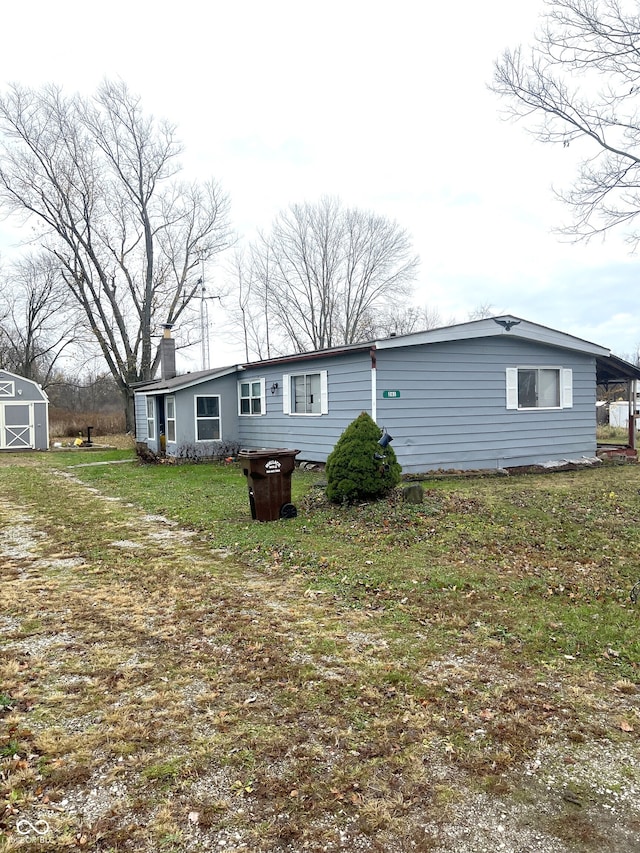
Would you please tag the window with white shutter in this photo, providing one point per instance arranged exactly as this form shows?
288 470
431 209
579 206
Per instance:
539 388
305 393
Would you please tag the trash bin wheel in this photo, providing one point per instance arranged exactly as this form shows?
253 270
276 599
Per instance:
288 511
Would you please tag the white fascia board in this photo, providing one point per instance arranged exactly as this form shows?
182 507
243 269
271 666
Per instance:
489 328
160 388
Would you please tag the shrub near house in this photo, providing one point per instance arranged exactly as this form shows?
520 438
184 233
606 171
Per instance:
358 468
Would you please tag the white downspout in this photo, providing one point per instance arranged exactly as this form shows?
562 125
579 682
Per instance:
374 386
633 390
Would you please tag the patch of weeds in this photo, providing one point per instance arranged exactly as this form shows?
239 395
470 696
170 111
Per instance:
29 627
240 788
164 771
171 841
11 748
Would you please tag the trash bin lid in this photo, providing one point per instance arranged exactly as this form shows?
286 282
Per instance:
267 453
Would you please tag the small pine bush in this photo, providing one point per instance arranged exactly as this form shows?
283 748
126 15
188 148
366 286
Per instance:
353 472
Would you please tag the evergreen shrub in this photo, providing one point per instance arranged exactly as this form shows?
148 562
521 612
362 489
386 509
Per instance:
353 472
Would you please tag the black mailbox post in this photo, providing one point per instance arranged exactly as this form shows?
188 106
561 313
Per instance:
268 474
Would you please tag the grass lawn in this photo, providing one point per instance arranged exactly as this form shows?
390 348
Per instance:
450 676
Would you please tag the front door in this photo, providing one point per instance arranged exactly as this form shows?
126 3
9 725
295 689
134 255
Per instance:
16 426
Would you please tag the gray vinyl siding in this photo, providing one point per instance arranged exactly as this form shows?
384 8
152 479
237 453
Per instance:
140 407
452 408
185 410
225 388
349 393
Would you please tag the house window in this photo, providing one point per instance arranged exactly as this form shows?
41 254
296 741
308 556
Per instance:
251 397
539 388
207 418
305 394
170 407
151 418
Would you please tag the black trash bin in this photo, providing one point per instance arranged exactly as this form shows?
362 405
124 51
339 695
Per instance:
268 474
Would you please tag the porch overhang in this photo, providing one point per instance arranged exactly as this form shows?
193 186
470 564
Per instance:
611 369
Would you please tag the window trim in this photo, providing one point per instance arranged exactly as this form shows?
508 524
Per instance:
208 418
170 421
151 417
565 383
7 388
288 398
262 397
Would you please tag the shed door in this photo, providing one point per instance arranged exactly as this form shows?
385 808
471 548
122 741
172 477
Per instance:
16 426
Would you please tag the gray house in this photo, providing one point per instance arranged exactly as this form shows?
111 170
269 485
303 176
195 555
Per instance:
493 393
24 414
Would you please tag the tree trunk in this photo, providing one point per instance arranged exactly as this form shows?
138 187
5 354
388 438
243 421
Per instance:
129 411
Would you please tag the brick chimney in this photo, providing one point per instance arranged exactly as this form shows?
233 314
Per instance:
167 353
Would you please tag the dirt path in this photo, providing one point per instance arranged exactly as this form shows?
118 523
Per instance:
159 696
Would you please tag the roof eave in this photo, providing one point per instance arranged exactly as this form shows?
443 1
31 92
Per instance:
614 369
186 380
308 356
504 325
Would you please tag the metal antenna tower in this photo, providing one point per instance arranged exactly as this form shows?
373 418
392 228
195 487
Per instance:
204 320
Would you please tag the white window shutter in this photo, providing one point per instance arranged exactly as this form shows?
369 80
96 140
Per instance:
286 391
567 388
263 397
324 393
512 387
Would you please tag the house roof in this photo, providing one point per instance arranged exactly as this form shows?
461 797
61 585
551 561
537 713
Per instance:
506 325
609 367
320 353
185 380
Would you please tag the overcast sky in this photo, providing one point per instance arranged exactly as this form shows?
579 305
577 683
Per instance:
384 105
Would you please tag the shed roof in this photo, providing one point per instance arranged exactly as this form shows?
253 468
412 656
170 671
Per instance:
7 375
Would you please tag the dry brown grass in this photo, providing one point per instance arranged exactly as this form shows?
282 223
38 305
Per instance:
160 695
69 424
121 441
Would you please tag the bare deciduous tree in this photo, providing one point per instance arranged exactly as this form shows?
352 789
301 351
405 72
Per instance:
482 311
404 319
38 320
581 80
250 317
324 271
98 180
